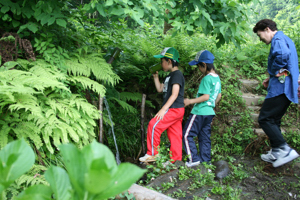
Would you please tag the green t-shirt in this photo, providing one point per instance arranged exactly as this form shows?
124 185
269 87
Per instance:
210 85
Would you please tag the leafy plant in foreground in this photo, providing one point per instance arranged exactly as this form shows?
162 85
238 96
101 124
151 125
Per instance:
92 173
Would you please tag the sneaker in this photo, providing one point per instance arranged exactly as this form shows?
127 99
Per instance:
148 158
278 156
192 164
285 157
271 156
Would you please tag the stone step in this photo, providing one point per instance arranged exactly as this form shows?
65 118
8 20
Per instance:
254 108
249 85
142 193
254 116
252 99
259 132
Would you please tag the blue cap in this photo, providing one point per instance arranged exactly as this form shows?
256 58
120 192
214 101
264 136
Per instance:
203 56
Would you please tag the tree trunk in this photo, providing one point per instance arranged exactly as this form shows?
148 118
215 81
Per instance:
142 123
166 25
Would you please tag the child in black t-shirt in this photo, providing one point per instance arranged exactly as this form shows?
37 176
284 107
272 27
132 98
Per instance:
169 117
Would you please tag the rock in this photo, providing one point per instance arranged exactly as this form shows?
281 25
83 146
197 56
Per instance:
254 108
259 132
164 178
142 193
222 169
253 100
179 163
254 116
249 85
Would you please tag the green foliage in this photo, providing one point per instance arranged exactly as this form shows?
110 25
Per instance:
227 192
38 106
225 19
92 64
92 173
16 159
159 168
275 9
37 13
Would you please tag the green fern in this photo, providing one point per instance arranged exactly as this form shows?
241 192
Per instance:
38 106
124 105
126 96
88 84
92 64
33 177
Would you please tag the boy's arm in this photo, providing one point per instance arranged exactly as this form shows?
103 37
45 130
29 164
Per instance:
200 99
159 86
172 98
218 98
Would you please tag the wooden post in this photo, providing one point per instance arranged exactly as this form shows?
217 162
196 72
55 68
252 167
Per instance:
101 119
142 123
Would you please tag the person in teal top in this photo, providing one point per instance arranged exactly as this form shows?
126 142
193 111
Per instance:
199 122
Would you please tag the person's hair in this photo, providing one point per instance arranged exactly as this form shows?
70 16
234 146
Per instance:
174 62
264 23
209 66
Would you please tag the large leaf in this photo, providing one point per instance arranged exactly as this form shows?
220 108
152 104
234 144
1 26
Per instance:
94 171
241 56
61 22
98 171
97 150
76 166
59 182
36 192
126 175
16 158
10 64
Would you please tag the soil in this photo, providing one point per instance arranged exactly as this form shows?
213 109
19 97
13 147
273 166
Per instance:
263 181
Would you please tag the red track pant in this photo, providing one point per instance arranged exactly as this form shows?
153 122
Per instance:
172 122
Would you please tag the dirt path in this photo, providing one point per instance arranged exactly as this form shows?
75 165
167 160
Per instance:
249 178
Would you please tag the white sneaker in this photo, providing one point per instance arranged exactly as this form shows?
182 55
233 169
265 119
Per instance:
148 158
285 157
279 156
192 164
271 156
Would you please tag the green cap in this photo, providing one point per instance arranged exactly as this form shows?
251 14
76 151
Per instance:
169 52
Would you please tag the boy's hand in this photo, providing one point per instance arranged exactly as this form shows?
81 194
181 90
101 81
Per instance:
160 115
266 82
186 102
155 75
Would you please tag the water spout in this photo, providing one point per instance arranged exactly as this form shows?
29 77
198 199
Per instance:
112 130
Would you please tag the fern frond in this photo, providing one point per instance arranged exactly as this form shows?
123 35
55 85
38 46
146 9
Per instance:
124 105
27 82
26 102
88 84
150 48
92 64
48 71
46 132
77 69
33 177
101 69
63 137
4 135
126 96
129 70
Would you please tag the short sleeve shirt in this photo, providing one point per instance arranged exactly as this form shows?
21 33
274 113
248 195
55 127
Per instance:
210 85
175 77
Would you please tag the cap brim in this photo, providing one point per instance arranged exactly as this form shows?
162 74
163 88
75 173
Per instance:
158 56
193 62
